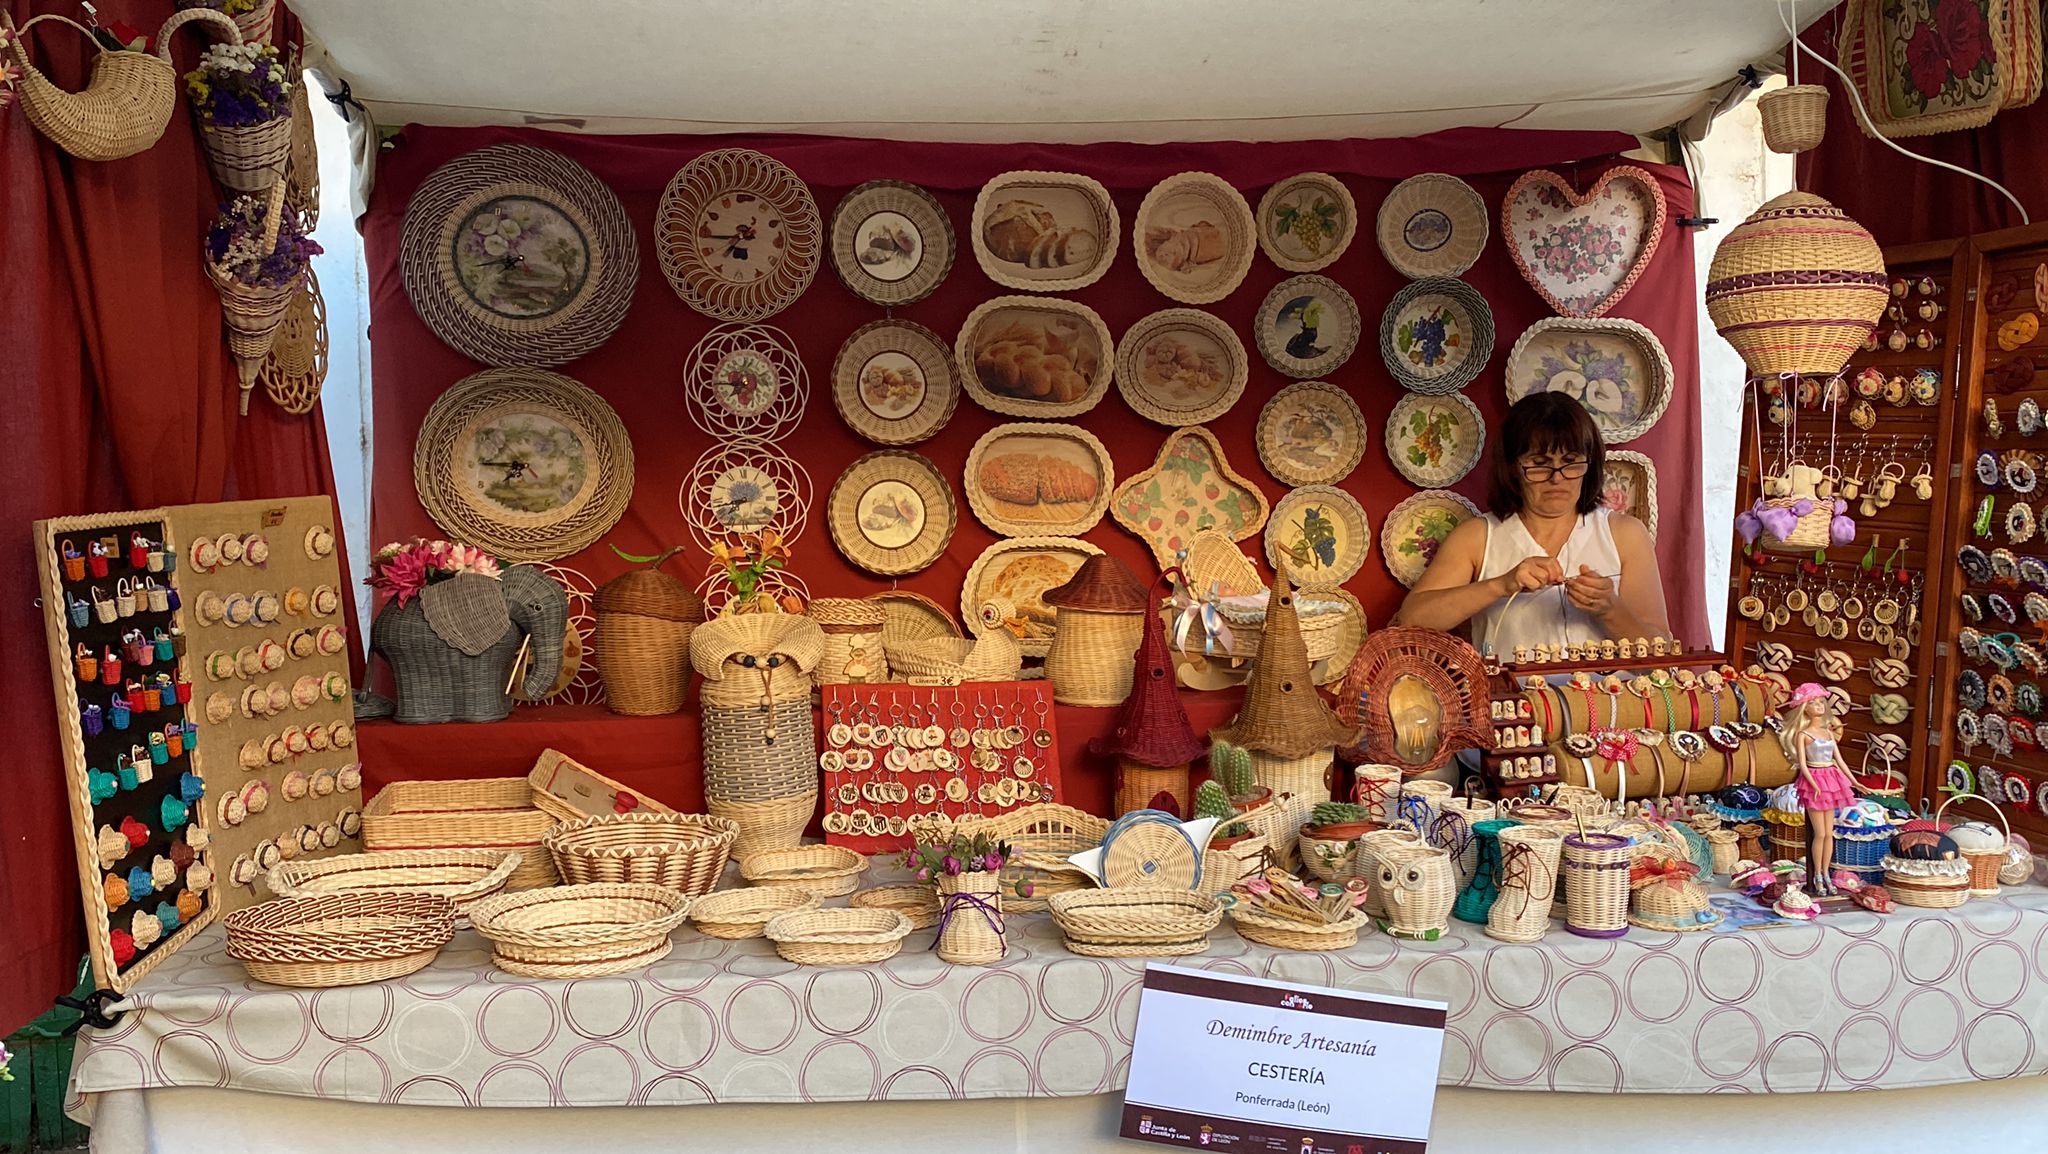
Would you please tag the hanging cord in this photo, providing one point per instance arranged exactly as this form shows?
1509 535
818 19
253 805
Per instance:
1870 126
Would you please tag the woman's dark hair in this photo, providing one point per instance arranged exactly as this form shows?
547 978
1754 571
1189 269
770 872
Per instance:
1540 424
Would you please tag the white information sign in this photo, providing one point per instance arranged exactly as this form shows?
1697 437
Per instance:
1244 1064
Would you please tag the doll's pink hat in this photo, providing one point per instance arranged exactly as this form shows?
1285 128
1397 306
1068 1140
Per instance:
1807 691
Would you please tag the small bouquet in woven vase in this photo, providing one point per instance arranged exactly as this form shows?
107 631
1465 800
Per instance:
256 255
751 566
242 96
402 570
253 18
968 870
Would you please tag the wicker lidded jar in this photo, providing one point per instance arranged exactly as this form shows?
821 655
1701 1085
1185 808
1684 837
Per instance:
1100 614
641 642
760 746
853 640
1153 742
1796 287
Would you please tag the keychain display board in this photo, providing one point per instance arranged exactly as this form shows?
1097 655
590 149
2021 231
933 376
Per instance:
269 648
113 777
894 753
1898 477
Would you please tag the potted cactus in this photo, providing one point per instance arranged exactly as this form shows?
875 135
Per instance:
1212 801
1230 766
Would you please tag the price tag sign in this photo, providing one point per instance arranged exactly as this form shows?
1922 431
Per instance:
1244 1064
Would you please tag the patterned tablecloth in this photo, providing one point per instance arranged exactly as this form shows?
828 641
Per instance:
1858 1001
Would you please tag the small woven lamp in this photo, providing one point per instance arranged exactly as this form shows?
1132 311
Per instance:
1290 731
1100 614
1153 742
1796 287
641 642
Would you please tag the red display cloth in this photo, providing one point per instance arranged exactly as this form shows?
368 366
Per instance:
119 394
639 370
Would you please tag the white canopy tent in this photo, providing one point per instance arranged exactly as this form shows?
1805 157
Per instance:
1058 71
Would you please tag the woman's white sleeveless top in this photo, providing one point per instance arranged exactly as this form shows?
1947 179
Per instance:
1535 618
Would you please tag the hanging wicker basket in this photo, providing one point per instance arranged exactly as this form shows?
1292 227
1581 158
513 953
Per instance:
124 106
1796 287
248 158
1795 117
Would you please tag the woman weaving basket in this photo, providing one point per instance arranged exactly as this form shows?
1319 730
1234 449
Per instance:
1548 564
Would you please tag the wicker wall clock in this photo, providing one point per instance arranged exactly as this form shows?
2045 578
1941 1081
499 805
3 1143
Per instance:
891 243
1044 231
1435 441
1181 367
1035 356
891 513
1436 335
1582 252
1318 535
1033 478
745 486
1413 529
1307 221
1629 485
525 463
1307 326
1432 225
517 255
1021 570
746 381
738 235
1616 368
1190 487
1194 238
893 382
1311 434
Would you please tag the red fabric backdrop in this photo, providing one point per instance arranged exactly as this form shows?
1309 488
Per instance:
118 393
639 371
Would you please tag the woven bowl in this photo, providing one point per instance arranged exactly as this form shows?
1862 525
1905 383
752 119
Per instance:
1288 934
579 931
1136 923
340 939
736 914
828 871
850 937
459 875
682 852
918 903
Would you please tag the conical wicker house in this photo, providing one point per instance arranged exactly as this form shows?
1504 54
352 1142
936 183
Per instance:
1153 743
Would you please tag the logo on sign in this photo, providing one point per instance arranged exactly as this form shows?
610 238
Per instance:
1296 1002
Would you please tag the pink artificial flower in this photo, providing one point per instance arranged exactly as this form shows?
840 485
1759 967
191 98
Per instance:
993 863
951 865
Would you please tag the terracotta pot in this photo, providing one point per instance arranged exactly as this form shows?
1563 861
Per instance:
1328 852
1259 796
1220 842
1340 831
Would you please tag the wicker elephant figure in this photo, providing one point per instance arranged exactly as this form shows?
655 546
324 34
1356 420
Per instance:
452 648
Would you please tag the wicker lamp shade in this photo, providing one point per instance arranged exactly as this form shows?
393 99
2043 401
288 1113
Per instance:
1282 713
1796 287
642 641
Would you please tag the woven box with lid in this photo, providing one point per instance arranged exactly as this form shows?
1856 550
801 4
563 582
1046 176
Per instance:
1100 619
853 640
642 641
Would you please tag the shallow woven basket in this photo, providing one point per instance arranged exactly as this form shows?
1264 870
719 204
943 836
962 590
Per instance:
994 656
123 108
1288 934
1136 923
484 813
828 871
1795 117
918 903
1596 884
849 937
1040 836
1927 885
553 770
459 875
735 914
579 931
340 939
678 851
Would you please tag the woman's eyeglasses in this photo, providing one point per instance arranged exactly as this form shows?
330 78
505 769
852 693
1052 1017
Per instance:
1544 474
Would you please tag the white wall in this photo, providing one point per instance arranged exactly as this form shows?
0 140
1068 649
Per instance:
345 400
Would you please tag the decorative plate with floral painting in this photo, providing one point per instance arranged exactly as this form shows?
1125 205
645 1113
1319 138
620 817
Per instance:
1413 529
1434 441
1616 368
1189 487
1629 485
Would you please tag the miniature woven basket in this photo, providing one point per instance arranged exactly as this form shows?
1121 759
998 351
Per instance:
1040 837
829 871
853 640
340 939
1288 934
1529 860
682 852
1136 923
1795 117
1596 884
579 931
459 875
848 937
1929 885
735 914
485 813
1224 867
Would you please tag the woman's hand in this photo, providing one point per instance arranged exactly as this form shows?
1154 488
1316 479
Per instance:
1591 592
1533 573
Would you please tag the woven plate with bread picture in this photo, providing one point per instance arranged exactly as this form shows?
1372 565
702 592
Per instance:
1194 238
1035 357
893 382
1044 231
1030 478
1181 367
1019 572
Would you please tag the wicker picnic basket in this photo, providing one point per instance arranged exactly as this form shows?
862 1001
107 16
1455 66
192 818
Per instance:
641 641
1040 837
828 871
484 813
579 931
568 790
126 102
1596 884
1795 117
917 902
1529 859
1136 923
1288 934
340 939
684 852
459 875
848 937
735 914
853 640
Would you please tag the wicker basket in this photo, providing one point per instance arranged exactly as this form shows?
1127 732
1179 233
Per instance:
485 813
123 108
853 641
1788 836
994 656
828 871
918 903
340 939
579 931
1330 853
1040 836
971 919
847 937
1928 885
1136 923
1795 117
1288 934
641 641
1451 830
767 825
1529 860
1809 532
751 659
459 875
1225 866
682 852
568 790
1724 845
1366 863
735 914
1676 905
1984 852
1299 784
250 158
1749 842
1089 662
1596 884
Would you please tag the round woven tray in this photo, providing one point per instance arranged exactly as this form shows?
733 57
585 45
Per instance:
1136 923
891 512
737 914
459 875
579 931
918 903
894 382
1149 849
1446 365
770 280
891 273
1288 934
1432 225
848 937
825 870
1165 217
682 852
340 939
